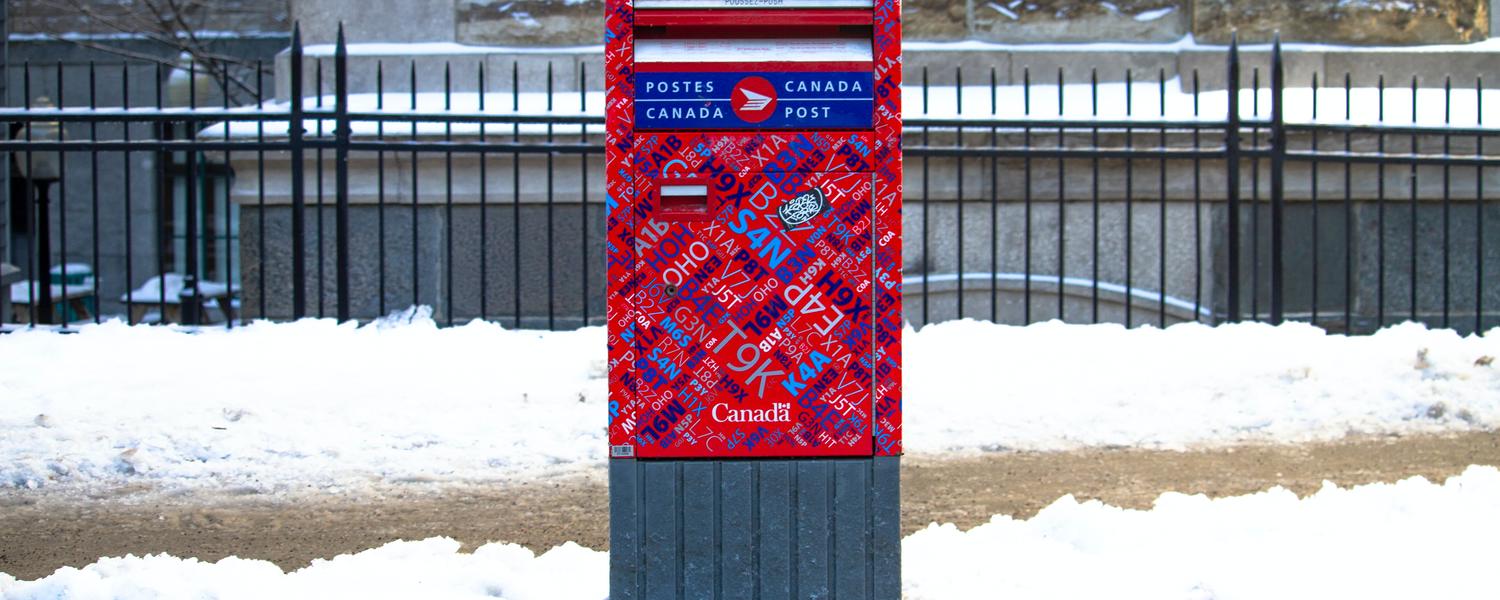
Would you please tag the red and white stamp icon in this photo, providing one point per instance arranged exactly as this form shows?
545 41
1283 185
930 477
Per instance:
753 99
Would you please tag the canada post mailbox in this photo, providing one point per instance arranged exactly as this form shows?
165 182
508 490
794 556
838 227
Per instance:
754 264
754 229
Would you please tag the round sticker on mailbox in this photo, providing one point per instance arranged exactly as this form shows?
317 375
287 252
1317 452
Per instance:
803 208
753 99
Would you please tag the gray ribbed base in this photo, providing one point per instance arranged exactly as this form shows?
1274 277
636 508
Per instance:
755 529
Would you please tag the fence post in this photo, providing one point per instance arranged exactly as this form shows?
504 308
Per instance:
341 173
1278 192
189 297
1232 177
299 201
5 160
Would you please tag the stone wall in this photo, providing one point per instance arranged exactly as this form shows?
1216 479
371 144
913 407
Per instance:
532 22
1031 21
1363 22
526 23
110 16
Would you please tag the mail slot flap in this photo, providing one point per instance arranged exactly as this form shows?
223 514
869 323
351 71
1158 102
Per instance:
751 4
718 22
830 53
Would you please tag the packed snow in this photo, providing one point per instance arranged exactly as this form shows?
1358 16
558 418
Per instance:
317 405
1051 386
1411 539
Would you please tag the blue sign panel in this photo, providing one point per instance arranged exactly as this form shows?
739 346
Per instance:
758 100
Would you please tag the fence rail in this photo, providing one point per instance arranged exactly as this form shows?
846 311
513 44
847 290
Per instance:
486 203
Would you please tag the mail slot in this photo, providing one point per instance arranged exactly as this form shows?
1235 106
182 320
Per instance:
754 228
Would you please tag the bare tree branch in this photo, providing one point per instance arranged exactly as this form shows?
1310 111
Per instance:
176 24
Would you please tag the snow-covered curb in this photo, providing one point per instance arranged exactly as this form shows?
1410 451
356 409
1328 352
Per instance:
316 405
1412 539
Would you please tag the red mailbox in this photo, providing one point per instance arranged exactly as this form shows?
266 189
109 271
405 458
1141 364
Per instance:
754 228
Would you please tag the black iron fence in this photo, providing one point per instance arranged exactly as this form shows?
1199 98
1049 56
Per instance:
1143 200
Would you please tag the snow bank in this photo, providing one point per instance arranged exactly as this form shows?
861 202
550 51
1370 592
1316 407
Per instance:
278 407
282 407
431 568
1412 539
1053 386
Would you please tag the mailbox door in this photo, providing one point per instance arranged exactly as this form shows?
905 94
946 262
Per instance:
753 315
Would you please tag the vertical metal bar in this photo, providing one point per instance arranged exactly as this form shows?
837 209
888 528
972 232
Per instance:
62 218
341 173
1380 210
1094 200
6 181
448 225
194 301
1479 210
583 193
1026 187
1278 191
1348 208
927 262
299 202
260 185
318 180
551 264
416 198
37 223
125 180
1447 196
380 191
1062 220
1412 274
44 215
94 188
229 280
1255 197
1232 178
484 208
515 182
163 237
1313 175
1161 186
958 82
1129 198
994 205
1197 207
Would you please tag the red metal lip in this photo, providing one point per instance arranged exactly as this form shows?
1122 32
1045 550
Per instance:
749 67
721 18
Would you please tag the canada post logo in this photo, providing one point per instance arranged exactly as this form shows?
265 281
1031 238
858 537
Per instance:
765 100
753 99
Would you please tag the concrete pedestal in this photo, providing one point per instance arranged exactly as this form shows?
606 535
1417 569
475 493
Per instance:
755 529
